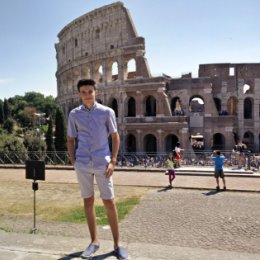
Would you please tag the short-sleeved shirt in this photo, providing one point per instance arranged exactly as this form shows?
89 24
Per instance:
219 161
170 164
91 128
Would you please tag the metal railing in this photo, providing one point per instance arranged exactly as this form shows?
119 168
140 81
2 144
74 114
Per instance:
143 160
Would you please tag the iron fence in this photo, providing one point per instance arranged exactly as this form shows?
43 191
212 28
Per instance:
143 160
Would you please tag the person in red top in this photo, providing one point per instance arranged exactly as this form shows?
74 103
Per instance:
178 154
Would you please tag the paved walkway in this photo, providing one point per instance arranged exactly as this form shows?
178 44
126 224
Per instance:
189 222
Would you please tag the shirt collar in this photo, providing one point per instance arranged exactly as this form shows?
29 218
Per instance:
83 107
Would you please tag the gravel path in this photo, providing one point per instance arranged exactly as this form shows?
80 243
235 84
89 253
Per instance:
192 218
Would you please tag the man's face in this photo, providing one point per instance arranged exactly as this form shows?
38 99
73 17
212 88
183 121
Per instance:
87 94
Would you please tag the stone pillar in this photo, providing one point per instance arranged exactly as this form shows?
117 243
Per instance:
159 141
139 146
139 104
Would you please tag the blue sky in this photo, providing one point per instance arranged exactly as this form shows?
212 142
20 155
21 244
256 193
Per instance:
179 35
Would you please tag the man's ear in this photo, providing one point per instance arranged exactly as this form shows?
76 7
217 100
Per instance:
96 92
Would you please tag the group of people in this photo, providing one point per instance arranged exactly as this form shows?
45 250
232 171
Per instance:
173 162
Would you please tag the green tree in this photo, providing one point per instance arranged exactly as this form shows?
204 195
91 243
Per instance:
9 125
7 109
14 147
34 143
60 131
26 116
2 116
49 136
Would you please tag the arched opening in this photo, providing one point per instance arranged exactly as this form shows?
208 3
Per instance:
196 104
248 139
114 106
85 72
170 142
131 143
232 106
217 102
114 71
131 107
131 69
150 144
176 107
150 106
197 142
100 74
218 142
247 89
259 143
248 108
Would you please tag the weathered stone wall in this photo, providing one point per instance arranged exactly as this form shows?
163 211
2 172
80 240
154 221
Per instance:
153 113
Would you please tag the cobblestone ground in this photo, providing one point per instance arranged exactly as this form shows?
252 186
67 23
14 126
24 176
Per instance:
188 218
224 220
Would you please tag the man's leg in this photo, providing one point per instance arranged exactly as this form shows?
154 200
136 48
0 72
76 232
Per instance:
224 182
91 218
112 219
217 181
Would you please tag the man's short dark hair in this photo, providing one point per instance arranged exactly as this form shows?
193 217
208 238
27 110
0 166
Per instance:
86 82
218 152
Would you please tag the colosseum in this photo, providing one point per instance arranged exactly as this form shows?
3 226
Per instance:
215 110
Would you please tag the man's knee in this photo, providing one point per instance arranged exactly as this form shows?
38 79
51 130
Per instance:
89 202
109 204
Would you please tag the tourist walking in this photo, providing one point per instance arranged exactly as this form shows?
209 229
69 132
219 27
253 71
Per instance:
170 169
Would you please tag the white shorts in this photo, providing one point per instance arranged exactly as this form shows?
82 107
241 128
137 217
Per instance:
85 175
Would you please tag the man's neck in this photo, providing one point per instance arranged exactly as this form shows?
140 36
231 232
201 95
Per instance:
89 105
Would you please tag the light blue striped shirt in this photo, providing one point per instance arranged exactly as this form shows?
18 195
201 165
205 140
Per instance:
91 129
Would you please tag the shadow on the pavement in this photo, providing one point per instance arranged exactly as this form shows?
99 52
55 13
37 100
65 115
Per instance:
77 255
212 192
71 256
165 189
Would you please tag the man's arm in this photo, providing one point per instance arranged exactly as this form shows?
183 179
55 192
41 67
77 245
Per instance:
71 148
115 149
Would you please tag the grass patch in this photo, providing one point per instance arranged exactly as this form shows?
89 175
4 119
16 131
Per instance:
77 214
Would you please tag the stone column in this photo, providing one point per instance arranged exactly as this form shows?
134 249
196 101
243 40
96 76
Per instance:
160 141
139 147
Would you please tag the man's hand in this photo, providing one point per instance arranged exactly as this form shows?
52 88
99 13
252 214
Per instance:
110 169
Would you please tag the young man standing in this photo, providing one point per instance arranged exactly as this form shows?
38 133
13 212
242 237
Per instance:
219 172
89 127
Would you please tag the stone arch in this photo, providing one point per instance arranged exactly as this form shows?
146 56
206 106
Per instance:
130 143
248 139
150 106
85 72
196 104
217 102
170 142
131 69
218 142
248 88
248 108
232 105
176 108
150 143
114 71
98 73
114 105
259 143
131 107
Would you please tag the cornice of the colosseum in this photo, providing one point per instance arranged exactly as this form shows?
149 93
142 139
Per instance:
89 16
